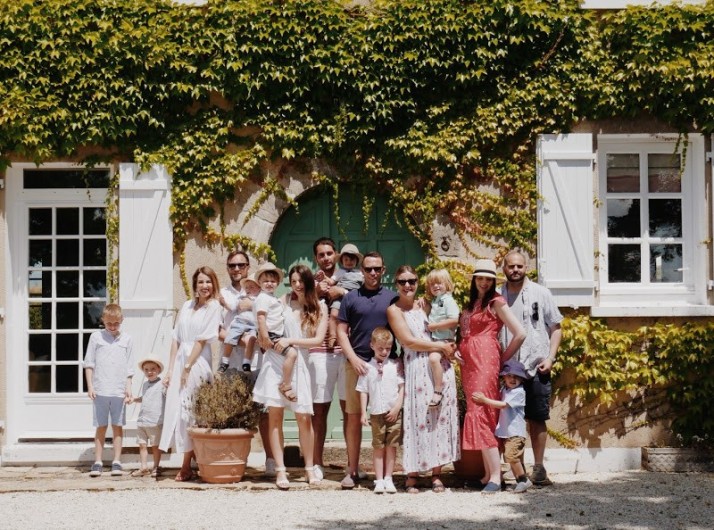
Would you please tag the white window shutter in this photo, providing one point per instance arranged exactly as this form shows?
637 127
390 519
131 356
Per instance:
565 217
146 259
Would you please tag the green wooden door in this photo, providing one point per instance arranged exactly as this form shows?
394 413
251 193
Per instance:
316 216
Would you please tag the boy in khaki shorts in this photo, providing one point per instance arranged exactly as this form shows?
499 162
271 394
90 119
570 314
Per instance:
383 388
151 416
511 428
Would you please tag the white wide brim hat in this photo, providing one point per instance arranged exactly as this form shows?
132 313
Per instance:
151 358
485 268
269 267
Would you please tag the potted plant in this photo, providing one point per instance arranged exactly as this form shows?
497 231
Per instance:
695 454
226 420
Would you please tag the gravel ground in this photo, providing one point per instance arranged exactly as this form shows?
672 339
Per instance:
632 500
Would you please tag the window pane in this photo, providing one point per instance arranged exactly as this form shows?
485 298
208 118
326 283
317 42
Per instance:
67 347
40 221
665 217
664 173
623 173
39 284
68 221
40 347
67 378
40 253
95 252
40 315
93 314
40 379
666 264
67 252
95 284
68 284
67 315
65 178
623 218
624 262
94 222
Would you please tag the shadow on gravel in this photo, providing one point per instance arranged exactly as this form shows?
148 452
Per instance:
639 500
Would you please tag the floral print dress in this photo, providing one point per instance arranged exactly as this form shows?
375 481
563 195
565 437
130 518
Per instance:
431 435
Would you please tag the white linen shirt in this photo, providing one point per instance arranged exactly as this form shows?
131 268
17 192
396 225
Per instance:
273 309
153 396
110 358
383 390
512 419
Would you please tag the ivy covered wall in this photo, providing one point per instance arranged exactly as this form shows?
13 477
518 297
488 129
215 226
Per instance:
435 104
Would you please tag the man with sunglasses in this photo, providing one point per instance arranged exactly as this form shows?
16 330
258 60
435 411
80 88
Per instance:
362 311
535 306
238 267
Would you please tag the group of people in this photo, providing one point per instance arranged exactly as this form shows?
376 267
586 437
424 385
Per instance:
389 354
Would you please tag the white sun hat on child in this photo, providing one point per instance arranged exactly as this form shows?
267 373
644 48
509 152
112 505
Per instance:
351 249
151 358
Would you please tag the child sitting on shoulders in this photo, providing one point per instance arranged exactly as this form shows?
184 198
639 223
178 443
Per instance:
511 428
242 327
383 388
151 416
348 277
268 311
443 321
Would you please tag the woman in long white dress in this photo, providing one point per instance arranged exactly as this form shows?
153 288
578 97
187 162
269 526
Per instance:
431 434
190 364
305 327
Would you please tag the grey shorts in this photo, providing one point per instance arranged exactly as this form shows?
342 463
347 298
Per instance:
538 392
106 408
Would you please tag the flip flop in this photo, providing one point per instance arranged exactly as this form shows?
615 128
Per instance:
185 478
410 485
140 472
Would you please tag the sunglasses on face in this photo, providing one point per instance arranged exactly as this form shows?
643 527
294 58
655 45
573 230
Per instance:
372 269
237 265
410 281
534 307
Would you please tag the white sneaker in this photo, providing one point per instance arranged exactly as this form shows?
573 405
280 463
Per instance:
522 486
379 486
269 467
389 486
317 471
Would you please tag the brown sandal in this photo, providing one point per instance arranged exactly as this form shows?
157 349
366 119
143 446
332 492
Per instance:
287 392
411 485
437 486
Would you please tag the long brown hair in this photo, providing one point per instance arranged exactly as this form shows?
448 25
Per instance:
487 297
311 308
208 271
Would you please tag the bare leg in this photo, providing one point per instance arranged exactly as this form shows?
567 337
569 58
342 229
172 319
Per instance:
307 445
186 472
354 441
263 427
248 342
275 429
286 383
332 328
319 426
390 457
492 463
156 452
437 374
143 456
99 436
117 440
379 463
539 437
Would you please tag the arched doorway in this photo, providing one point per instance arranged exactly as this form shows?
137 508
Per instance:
316 216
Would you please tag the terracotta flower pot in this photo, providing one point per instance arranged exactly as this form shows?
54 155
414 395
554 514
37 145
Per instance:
221 454
470 467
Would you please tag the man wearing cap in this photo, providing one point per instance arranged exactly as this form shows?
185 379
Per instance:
535 307
326 362
361 311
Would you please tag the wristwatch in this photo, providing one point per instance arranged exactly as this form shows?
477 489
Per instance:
187 367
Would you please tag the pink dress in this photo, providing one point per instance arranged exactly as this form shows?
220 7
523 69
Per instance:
481 352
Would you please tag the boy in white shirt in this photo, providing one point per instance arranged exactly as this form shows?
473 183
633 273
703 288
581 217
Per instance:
511 428
151 416
108 369
383 388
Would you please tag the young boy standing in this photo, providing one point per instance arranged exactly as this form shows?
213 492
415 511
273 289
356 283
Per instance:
511 428
108 369
383 388
151 416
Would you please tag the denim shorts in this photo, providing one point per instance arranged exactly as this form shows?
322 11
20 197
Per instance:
106 407
538 392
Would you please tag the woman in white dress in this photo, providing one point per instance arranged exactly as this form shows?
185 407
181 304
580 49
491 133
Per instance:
190 364
305 327
431 434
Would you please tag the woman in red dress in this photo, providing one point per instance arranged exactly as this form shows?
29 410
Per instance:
480 349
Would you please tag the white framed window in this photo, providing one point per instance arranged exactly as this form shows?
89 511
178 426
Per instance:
651 251
622 4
